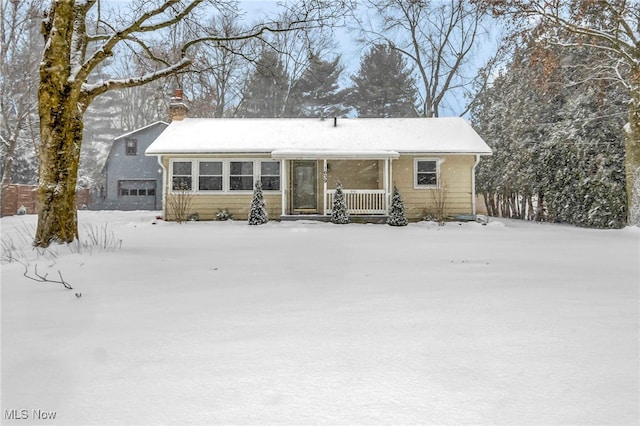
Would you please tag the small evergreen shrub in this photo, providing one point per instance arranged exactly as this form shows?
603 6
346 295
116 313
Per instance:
339 214
258 212
397 216
224 214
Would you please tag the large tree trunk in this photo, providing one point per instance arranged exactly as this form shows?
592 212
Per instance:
60 109
632 150
61 133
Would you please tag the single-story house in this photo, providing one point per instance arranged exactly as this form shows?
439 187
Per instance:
300 160
132 180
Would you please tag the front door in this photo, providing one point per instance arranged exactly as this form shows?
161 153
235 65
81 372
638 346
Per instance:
304 187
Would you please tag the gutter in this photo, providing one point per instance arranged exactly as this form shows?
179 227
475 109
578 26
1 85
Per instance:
164 185
473 185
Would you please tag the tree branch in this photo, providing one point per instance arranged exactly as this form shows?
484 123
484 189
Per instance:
44 278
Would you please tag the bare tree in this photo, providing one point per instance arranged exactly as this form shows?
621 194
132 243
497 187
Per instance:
439 39
19 59
611 27
74 49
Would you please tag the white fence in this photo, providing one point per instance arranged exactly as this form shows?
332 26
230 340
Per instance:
360 201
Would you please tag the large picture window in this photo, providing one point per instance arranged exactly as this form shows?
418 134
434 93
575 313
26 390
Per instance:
426 173
203 175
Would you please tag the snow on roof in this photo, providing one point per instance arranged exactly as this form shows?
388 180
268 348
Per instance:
155 123
299 135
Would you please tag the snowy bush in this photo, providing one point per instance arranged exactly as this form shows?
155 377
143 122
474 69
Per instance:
224 214
257 211
339 212
397 216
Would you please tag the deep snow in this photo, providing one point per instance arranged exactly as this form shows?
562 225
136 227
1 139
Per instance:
314 323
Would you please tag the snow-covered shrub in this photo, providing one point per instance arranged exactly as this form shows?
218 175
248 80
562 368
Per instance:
339 212
257 211
397 216
224 214
22 210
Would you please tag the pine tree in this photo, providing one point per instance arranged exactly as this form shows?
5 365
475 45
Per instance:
317 93
339 214
258 212
397 216
265 93
383 87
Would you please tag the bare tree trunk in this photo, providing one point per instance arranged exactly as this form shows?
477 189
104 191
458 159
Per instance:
539 216
61 137
8 166
632 150
60 110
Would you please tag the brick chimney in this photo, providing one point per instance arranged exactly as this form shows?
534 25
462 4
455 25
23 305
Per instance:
177 108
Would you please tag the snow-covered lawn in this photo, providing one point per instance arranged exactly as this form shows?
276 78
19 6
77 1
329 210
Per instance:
307 323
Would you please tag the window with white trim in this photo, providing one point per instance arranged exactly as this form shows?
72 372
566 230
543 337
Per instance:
181 176
240 175
207 175
210 176
426 173
270 175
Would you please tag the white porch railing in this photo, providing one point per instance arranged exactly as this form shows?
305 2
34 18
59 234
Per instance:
360 201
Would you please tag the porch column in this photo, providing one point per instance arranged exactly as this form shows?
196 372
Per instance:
386 184
283 186
324 186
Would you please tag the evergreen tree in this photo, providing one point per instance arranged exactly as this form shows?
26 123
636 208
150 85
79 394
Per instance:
553 123
383 86
258 212
339 214
397 216
266 90
317 93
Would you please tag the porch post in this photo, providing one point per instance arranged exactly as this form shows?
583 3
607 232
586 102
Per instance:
283 186
324 186
386 185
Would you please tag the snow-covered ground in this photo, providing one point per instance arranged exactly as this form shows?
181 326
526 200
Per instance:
512 323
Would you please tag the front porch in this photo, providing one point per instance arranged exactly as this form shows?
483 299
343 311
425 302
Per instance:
309 182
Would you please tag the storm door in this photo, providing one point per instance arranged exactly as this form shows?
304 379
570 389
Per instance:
304 187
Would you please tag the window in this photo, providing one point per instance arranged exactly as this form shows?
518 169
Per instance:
426 173
131 146
210 176
270 175
241 175
181 173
